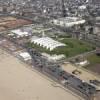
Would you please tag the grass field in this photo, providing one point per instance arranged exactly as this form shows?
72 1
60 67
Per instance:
93 59
94 65
73 47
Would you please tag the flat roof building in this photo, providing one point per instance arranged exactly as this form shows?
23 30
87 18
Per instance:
68 21
25 56
20 33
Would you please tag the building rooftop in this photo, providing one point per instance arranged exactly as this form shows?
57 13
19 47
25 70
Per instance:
68 21
48 43
20 33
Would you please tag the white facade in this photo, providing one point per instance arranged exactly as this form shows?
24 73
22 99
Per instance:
68 21
25 56
82 7
83 63
20 33
53 57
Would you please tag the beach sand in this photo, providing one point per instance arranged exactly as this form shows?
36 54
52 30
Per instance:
18 82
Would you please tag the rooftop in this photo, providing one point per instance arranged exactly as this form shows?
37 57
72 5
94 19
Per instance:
47 42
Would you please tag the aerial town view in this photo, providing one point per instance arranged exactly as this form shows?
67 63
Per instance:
49 49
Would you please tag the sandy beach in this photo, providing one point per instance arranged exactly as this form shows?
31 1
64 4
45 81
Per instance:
17 82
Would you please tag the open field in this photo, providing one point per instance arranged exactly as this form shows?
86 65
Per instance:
94 65
8 22
73 47
84 75
18 82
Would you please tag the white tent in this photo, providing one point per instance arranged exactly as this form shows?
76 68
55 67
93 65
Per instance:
47 43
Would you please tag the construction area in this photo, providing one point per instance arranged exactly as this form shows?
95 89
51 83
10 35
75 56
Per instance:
9 22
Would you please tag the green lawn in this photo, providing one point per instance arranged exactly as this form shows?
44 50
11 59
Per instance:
72 48
93 59
94 65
